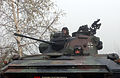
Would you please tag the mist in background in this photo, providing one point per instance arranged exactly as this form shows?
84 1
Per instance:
81 12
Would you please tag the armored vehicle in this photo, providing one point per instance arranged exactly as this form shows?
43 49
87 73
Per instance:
67 57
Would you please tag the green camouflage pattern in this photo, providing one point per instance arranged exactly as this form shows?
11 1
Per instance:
64 62
86 64
78 58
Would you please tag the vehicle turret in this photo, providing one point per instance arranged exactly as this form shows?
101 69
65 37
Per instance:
83 42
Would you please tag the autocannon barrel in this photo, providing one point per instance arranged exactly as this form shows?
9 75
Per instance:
55 45
48 42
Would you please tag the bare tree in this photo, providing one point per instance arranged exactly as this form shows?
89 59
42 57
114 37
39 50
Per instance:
35 18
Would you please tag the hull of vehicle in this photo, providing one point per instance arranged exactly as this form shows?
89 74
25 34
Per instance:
63 67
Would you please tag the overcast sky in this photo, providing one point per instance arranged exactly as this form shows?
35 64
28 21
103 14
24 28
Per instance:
81 12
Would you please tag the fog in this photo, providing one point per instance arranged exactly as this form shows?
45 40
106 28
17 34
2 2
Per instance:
81 12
